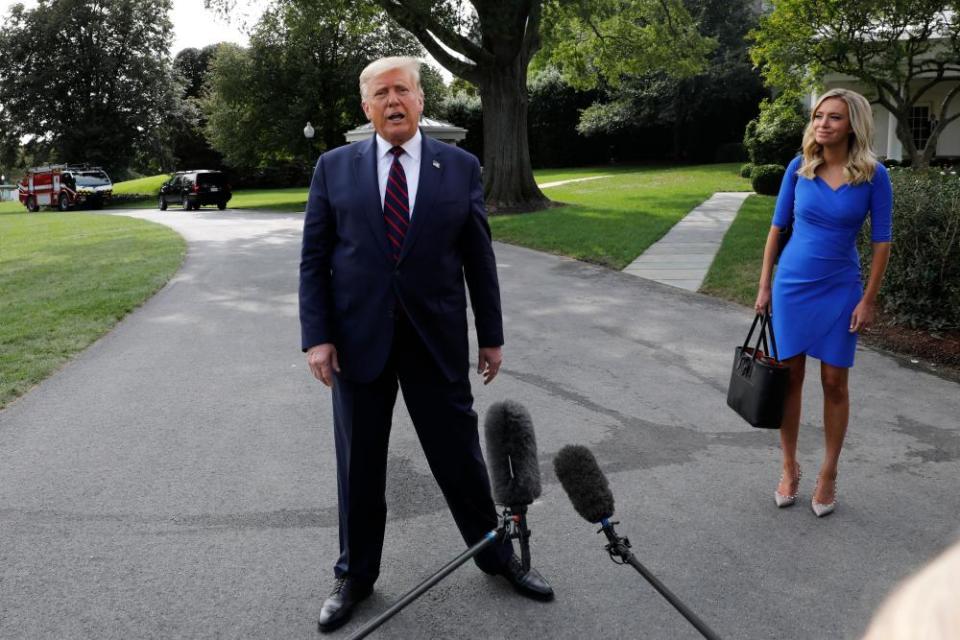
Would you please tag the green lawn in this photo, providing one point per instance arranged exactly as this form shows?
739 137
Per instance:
66 279
295 198
736 269
149 185
612 220
12 207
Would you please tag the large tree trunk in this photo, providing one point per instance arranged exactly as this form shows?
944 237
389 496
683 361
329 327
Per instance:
906 140
508 183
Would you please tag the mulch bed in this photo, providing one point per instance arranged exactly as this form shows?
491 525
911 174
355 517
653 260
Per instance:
935 351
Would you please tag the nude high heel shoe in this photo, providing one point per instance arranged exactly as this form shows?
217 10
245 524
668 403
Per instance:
787 501
819 508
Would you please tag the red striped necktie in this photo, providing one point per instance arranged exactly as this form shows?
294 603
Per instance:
396 208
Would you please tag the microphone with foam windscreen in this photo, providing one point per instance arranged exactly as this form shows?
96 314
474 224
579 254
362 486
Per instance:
515 470
590 494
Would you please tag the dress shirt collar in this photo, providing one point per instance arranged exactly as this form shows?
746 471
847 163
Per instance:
411 147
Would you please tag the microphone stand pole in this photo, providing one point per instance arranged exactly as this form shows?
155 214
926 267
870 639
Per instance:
511 526
620 548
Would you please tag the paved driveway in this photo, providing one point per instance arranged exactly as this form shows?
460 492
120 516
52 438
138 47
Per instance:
177 479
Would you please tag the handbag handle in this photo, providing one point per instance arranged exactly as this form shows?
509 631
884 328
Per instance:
773 339
765 325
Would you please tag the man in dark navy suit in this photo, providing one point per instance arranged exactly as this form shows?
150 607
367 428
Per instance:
393 228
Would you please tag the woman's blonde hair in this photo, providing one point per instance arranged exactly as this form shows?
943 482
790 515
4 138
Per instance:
925 606
861 162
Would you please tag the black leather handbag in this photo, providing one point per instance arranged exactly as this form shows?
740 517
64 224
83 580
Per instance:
758 383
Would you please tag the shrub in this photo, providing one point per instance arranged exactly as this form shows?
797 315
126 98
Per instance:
766 178
746 170
464 110
774 137
121 199
278 175
921 288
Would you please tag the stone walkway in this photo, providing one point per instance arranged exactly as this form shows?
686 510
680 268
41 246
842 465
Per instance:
682 257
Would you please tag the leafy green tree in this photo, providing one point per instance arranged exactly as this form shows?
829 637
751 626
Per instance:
903 52
301 66
191 150
89 80
193 65
701 111
493 43
490 44
775 136
435 90
596 41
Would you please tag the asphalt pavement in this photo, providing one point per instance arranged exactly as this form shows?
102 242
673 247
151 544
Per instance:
176 480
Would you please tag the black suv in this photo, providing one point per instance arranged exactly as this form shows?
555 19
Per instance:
193 189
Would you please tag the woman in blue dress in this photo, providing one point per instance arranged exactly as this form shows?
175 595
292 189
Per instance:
817 300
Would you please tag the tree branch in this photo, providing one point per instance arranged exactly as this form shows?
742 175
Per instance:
420 23
531 36
460 68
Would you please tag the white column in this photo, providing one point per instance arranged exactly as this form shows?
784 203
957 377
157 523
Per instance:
894 147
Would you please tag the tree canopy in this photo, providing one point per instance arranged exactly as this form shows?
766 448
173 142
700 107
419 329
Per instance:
490 44
703 110
606 41
901 52
303 64
89 80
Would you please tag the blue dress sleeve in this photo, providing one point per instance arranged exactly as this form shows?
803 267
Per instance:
881 206
783 213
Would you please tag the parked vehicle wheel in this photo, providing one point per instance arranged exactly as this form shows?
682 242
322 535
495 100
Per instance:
196 206
221 205
63 203
32 205
162 204
187 205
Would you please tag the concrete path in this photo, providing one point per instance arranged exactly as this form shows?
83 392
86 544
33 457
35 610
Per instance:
547 185
176 480
683 256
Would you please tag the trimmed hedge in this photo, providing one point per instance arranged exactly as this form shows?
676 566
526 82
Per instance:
766 178
120 199
921 288
746 171
774 137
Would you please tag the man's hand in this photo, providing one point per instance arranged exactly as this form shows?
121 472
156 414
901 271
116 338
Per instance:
322 359
489 364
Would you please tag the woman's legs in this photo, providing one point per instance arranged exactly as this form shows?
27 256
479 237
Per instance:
790 427
836 413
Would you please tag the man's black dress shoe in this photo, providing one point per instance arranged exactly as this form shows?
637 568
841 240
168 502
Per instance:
527 583
337 608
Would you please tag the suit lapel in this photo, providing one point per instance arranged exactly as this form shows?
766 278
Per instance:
431 172
368 190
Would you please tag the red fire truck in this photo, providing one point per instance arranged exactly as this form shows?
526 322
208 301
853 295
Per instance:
64 186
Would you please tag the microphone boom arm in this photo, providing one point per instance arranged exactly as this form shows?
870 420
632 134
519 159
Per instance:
511 526
619 547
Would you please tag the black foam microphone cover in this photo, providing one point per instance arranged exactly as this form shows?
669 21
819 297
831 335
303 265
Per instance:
584 482
512 454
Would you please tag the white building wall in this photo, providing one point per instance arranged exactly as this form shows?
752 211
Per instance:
886 144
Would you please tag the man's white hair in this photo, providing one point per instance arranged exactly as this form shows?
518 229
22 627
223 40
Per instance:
383 65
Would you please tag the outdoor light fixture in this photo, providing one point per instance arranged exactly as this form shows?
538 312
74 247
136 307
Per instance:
308 131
